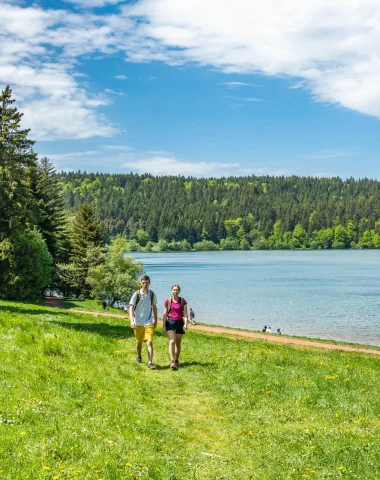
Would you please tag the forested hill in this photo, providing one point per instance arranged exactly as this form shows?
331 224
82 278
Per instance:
234 212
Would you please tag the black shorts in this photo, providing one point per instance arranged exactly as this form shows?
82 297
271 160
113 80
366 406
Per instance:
175 325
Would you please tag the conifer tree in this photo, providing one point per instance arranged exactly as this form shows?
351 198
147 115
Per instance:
25 263
86 251
48 195
17 160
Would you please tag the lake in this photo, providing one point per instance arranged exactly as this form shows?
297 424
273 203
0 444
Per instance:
329 294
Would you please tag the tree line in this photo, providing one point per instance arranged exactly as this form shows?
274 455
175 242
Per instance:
42 246
179 213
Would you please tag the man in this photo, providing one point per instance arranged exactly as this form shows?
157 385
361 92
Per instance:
192 315
141 306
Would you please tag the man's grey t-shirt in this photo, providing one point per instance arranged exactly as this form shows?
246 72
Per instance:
143 312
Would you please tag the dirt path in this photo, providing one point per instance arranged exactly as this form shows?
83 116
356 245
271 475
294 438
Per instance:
56 302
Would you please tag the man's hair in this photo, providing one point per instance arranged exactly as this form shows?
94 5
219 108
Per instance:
145 277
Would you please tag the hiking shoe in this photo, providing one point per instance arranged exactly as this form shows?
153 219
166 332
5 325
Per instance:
173 365
138 359
151 366
177 363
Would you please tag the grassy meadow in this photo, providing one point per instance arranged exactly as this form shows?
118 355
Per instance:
89 305
75 405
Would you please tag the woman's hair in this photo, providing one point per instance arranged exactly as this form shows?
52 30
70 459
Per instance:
176 285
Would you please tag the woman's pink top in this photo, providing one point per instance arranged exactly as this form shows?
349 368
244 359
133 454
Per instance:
175 309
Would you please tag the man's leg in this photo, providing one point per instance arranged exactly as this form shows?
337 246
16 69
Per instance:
149 346
138 348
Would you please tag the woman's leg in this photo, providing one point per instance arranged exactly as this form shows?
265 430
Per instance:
172 343
178 340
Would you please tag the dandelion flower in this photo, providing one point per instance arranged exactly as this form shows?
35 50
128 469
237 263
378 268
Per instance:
46 468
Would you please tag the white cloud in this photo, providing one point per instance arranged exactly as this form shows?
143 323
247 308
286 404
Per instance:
121 77
93 3
121 148
159 152
251 99
332 47
329 48
113 92
172 166
69 156
44 81
235 85
329 154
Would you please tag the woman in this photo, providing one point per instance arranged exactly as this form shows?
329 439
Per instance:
175 324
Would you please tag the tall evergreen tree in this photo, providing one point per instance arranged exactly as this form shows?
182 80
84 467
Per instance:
25 263
48 195
17 160
86 251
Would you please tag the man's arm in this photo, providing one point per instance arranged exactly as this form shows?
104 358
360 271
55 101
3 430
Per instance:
164 317
155 315
132 315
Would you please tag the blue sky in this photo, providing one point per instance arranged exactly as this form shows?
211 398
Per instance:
203 88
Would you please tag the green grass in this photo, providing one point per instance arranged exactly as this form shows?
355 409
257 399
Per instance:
89 305
75 405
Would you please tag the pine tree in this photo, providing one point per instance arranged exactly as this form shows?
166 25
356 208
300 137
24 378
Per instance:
86 251
17 160
48 195
25 263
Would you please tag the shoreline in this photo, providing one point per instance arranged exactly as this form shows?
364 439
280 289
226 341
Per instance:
269 337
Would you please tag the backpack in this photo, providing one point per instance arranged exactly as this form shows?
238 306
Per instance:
138 296
181 301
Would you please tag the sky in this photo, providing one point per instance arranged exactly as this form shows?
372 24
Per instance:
198 87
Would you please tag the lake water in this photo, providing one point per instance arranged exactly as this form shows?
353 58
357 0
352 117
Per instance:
322 294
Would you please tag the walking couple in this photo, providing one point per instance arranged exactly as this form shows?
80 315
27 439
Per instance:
143 318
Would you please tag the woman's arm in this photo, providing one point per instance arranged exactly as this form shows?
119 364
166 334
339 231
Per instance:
185 316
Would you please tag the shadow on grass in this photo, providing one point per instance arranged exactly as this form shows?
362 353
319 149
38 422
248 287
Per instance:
67 304
30 311
186 365
196 364
104 329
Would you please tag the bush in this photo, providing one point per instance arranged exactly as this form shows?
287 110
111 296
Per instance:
26 266
205 245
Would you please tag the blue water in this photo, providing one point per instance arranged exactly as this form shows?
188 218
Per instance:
320 294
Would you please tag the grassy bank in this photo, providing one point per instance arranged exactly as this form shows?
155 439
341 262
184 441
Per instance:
89 305
74 404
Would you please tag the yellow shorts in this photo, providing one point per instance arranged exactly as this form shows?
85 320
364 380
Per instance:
145 333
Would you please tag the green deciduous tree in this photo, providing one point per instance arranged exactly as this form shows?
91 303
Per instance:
116 278
28 266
